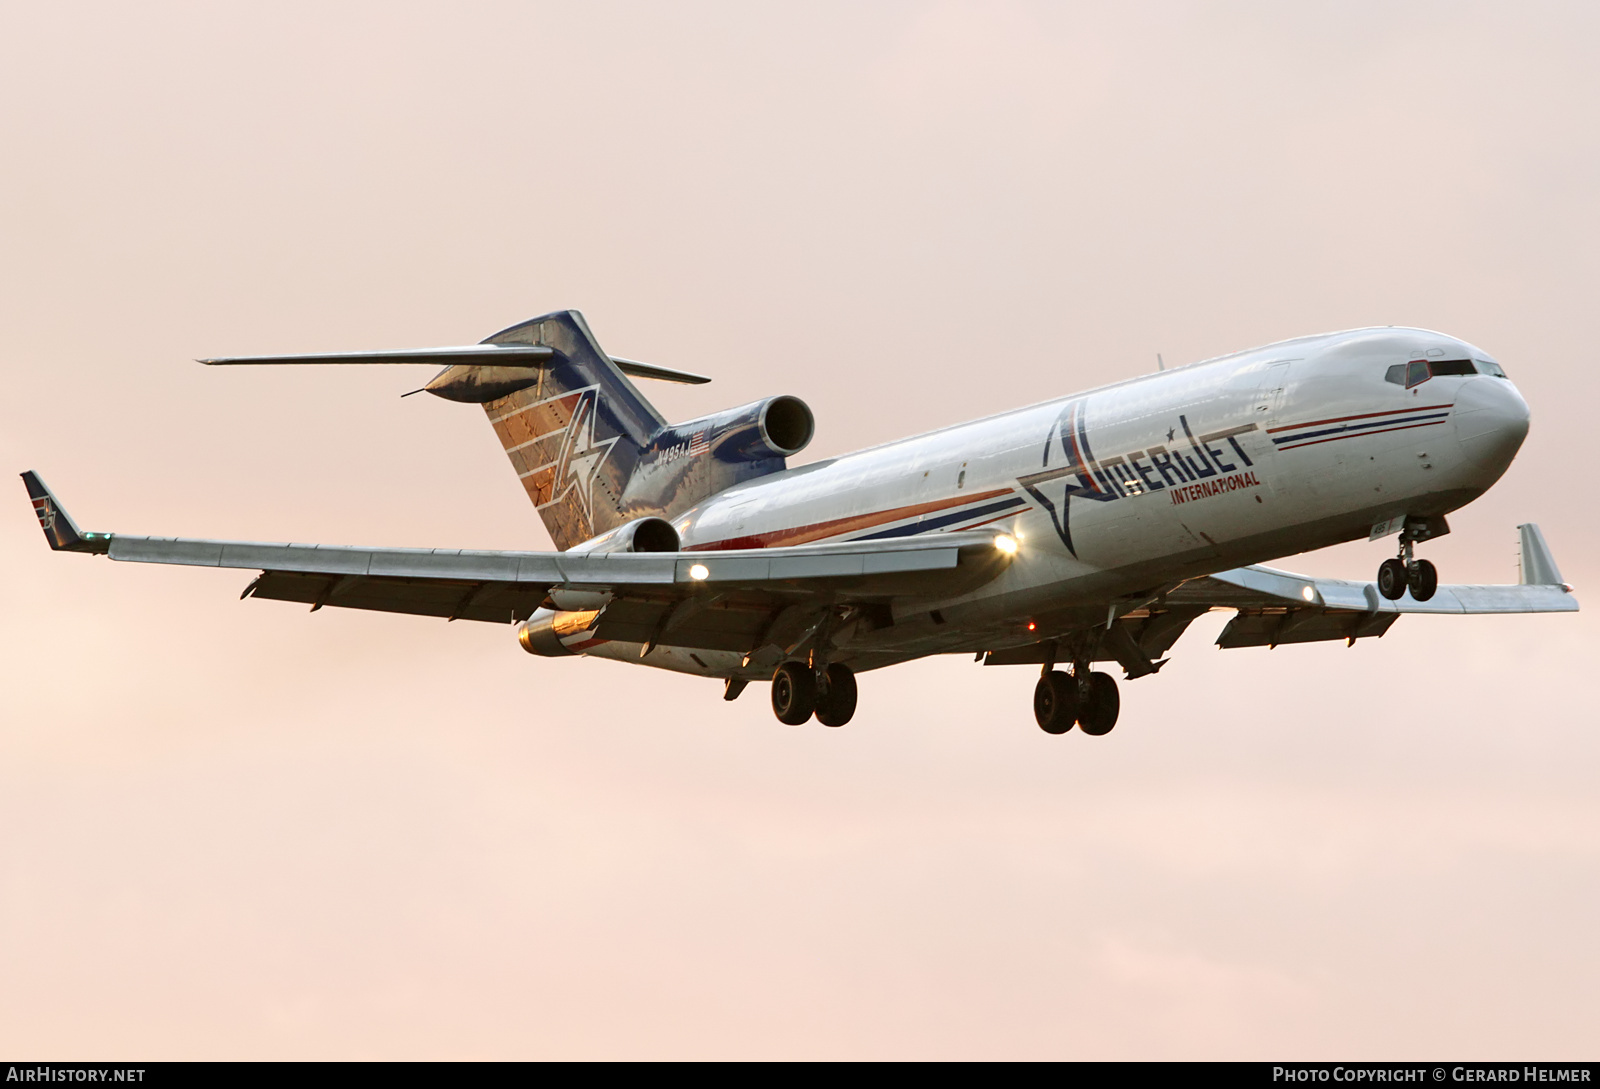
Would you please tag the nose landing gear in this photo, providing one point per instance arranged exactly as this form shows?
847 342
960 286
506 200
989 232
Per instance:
1406 572
1089 700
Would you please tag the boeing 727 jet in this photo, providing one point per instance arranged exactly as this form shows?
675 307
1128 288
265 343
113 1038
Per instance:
1089 529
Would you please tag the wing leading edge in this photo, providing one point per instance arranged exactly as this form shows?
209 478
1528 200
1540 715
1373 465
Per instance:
508 586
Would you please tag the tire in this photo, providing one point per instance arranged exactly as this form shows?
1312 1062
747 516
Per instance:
1100 713
1392 579
836 702
1055 702
1422 580
794 693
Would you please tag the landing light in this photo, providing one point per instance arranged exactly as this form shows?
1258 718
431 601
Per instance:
1006 543
1308 593
699 572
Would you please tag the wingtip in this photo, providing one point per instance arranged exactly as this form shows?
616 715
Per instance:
60 530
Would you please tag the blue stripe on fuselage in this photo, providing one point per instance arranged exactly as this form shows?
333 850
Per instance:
913 528
1279 440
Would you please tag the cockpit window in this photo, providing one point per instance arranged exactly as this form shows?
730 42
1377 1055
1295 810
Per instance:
1419 371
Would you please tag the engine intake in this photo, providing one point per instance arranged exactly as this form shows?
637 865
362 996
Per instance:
639 535
772 428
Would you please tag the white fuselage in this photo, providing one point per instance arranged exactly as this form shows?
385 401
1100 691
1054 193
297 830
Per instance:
1127 488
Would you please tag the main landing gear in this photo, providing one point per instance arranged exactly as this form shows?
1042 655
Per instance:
1088 699
799 691
1406 572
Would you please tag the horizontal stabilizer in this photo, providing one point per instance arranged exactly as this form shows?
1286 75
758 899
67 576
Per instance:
636 369
483 355
471 355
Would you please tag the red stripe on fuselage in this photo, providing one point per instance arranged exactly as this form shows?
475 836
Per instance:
816 531
1360 416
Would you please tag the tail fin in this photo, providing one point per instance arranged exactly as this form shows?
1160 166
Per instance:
576 434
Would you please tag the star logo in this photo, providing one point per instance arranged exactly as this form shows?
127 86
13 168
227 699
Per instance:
581 456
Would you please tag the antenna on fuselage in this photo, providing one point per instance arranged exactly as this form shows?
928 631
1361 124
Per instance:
1160 363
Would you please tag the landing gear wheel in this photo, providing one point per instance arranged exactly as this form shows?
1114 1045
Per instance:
1055 702
1098 714
836 700
1392 579
1422 578
794 693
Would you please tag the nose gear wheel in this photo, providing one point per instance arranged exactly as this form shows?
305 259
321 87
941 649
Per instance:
1422 579
1392 578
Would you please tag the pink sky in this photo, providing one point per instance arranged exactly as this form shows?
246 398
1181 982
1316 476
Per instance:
237 830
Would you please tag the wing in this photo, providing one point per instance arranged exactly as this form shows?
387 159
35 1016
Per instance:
503 587
1274 607
1282 607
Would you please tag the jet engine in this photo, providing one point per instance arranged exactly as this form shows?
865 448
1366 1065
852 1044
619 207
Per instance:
547 633
773 428
639 535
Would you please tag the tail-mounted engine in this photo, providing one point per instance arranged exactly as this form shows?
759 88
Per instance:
774 428
639 535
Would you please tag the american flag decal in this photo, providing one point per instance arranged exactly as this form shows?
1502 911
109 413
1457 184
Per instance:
46 511
700 444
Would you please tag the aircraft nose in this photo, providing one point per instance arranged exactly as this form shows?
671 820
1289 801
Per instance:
1491 420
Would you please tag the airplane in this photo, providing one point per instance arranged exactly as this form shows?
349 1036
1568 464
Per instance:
1087 529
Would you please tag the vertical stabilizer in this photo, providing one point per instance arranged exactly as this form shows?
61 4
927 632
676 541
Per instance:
576 433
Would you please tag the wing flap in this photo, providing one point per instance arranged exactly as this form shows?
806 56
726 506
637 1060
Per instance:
1301 626
490 602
